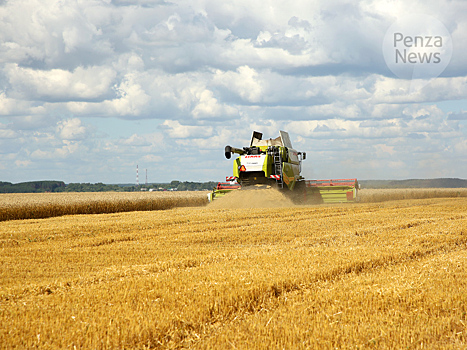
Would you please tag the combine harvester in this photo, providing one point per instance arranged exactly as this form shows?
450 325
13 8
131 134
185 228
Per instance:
274 163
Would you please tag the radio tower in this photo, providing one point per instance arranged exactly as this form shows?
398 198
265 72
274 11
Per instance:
146 177
137 176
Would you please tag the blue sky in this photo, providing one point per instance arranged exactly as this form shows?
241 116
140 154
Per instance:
89 89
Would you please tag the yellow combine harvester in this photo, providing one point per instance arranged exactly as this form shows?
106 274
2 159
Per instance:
275 163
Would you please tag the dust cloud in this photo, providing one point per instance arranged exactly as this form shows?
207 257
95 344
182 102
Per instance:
252 198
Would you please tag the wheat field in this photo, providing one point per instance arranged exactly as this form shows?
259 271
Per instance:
382 195
18 206
387 275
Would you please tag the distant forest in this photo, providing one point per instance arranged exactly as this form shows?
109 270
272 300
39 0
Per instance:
60 186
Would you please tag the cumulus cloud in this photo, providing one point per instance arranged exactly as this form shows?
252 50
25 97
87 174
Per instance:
179 131
58 84
53 32
71 129
80 76
130 100
208 106
6 133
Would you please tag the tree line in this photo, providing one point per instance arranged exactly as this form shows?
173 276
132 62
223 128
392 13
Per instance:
60 186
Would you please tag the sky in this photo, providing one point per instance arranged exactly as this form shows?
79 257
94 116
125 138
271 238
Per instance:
89 89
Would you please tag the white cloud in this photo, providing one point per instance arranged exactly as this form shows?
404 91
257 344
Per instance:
6 133
207 73
131 100
245 82
179 131
135 140
71 129
50 30
130 62
208 106
390 90
7 105
58 84
67 149
22 163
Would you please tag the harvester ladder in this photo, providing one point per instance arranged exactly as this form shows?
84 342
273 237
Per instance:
278 167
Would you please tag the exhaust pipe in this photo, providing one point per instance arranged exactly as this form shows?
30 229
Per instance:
228 152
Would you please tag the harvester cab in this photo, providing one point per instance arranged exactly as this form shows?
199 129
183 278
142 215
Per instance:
267 162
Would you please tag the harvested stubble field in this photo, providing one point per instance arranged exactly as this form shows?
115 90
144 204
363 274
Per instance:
387 275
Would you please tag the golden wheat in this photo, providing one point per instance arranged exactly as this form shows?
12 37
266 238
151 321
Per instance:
44 205
382 275
381 195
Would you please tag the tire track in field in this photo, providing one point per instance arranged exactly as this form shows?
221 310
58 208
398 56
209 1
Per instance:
222 312
112 274
385 279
